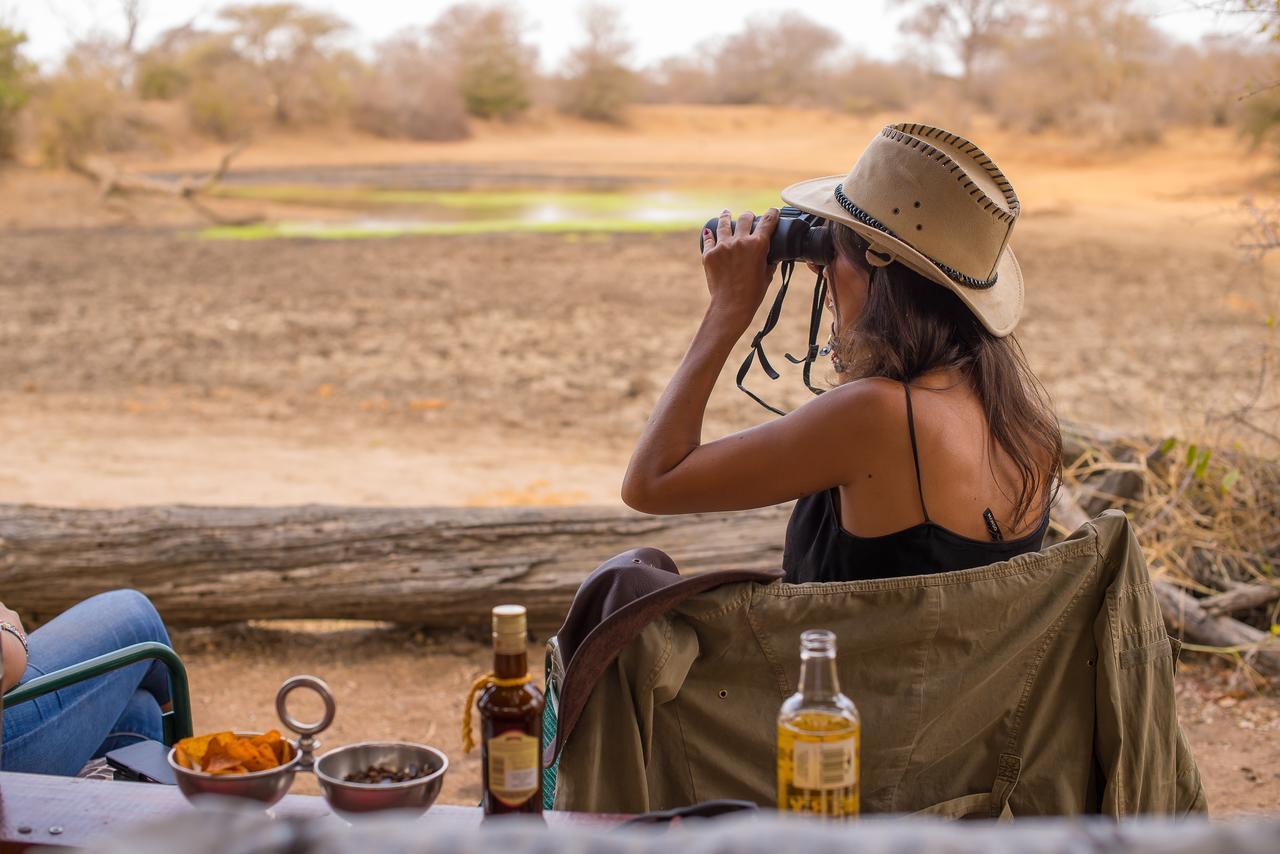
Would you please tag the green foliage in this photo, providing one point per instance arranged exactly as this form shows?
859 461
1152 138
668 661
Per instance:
492 65
161 79
14 92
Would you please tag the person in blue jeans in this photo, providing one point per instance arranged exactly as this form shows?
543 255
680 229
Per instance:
60 732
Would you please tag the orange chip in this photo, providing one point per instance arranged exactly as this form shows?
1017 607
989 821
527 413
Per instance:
227 753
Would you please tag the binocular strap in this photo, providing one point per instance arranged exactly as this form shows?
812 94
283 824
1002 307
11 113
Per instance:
757 343
815 325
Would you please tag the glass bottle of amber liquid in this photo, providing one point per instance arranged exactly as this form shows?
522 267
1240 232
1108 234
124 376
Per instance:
511 721
819 736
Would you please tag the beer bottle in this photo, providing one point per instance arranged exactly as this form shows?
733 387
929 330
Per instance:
511 721
819 735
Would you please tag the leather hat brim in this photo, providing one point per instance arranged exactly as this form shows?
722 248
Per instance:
998 307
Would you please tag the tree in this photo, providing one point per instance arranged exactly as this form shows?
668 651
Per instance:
1096 67
776 61
406 92
14 72
288 45
969 29
484 50
598 82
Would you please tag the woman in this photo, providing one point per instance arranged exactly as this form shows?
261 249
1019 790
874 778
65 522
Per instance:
60 732
937 449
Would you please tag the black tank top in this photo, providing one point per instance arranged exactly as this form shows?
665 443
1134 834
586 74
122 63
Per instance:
818 548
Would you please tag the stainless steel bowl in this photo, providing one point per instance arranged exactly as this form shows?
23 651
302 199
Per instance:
264 786
348 799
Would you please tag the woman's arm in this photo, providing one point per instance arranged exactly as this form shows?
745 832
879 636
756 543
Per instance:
671 471
15 656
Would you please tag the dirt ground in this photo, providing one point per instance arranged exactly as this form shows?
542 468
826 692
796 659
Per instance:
143 365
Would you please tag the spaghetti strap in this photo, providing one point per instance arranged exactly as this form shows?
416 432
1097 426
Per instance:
915 454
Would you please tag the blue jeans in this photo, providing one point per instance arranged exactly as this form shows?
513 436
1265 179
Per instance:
59 732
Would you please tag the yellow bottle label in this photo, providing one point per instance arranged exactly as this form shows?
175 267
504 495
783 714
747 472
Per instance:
818 771
513 767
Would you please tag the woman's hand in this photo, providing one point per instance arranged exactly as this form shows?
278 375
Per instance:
736 267
15 657
8 615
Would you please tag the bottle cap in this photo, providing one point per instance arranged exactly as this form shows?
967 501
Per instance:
510 628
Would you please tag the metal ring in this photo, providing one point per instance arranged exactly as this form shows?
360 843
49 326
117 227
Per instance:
316 684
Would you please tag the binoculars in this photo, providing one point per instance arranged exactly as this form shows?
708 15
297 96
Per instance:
799 236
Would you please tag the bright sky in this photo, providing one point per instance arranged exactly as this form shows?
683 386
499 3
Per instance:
659 28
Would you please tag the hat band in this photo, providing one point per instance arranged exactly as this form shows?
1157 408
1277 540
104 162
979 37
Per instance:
950 272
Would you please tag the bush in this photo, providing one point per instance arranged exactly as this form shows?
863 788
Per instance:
493 68
14 73
779 60
407 94
160 79
81 114
867 86
218 108
598 84
1090 67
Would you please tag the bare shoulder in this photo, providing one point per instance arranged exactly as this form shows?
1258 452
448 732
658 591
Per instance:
868 405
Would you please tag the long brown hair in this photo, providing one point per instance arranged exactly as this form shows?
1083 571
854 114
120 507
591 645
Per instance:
911 326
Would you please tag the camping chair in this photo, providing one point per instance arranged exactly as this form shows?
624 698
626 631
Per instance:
553 675
177 723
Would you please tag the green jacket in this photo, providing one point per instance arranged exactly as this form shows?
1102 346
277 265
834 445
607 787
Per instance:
1043 685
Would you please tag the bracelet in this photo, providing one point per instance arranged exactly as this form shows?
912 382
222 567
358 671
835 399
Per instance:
6 626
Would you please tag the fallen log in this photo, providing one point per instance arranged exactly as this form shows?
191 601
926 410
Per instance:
1186 616
1242 598
436 566
112 181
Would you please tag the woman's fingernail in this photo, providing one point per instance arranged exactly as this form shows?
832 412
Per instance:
723 212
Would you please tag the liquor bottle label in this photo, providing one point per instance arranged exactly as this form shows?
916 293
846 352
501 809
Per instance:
824 765
514 769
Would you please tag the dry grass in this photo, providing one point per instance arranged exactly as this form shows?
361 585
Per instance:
1208 516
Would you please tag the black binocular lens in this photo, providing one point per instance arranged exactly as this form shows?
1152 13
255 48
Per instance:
799 236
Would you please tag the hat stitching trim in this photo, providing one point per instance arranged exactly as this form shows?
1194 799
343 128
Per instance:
950 272
906 133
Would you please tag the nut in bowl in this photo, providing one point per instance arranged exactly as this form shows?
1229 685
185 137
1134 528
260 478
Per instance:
249 765
374 776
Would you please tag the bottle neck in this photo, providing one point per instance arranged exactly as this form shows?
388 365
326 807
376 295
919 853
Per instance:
818 679
510 665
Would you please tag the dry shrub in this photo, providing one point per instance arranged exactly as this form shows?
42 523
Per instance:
484 51
1209 517
80 114
785 59
867 86
219 108
1091 67
598 84
158 78
407 94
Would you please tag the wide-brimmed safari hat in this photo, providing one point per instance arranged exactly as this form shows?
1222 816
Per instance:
934 201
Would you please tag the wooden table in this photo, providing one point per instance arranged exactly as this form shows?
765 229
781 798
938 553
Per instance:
37 810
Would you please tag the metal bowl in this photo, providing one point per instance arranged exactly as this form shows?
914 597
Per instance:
354 798
265 786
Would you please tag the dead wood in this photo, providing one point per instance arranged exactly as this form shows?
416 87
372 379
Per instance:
1242 598
114 181
1186 617
435 566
